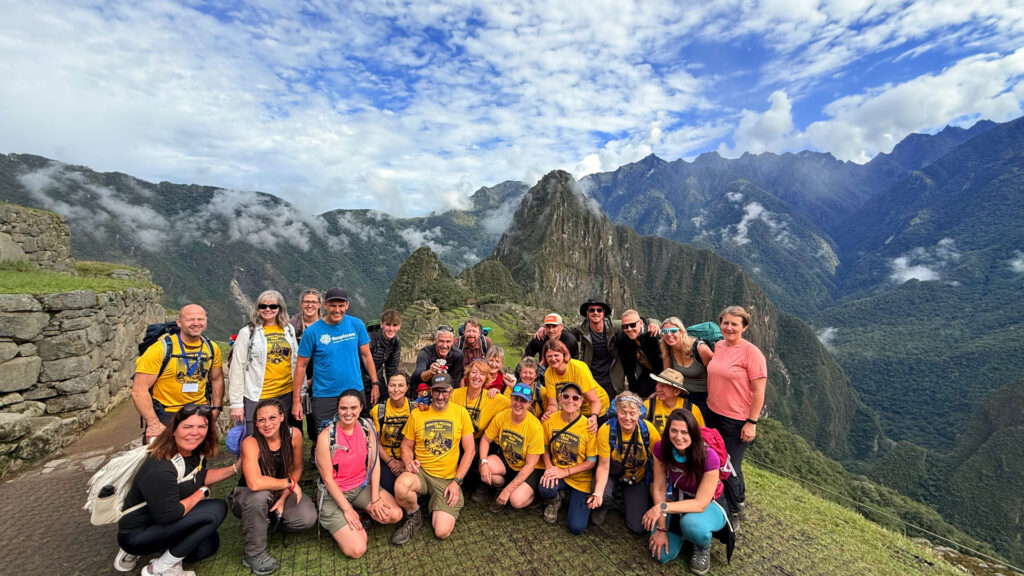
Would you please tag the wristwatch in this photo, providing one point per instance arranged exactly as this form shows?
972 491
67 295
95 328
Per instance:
664 508
483 460
458 481
205 491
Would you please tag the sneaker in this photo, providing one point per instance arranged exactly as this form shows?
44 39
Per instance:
597 517
178 570
262 563
405 531
700 560
741 512
734 521
480 494
551 509
495 508
125 562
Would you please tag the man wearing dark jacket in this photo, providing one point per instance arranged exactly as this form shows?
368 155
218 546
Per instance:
386 349
553 329
441 356
639 352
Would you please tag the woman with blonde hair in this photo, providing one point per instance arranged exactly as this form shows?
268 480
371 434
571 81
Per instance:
688 356
262 359
483 405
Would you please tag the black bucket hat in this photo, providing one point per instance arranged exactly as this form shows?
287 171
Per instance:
595 302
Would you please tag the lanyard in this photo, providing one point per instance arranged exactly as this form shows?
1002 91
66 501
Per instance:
190 368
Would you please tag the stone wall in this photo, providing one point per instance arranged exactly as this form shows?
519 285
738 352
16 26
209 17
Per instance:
65 360
35 236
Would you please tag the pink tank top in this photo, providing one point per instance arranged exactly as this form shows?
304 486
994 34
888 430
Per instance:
349 461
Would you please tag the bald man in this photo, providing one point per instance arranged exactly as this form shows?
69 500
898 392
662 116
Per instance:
178 369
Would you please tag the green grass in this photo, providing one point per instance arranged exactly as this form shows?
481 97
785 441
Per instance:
22 278
790 531
103 269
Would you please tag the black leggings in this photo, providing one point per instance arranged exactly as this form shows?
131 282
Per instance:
192 537
735 488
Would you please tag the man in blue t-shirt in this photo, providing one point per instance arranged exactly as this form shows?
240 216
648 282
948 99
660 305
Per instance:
336 343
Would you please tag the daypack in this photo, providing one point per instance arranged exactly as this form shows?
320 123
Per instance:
713 439
109 486
369 431
248 356
615 438
708 332
382 410
163 332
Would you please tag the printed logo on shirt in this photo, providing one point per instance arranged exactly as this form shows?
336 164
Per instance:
391 432
438 436
633 458
279 350
325 339
565 449
512 446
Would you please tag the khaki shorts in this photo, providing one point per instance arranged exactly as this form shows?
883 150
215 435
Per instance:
332 518
436 487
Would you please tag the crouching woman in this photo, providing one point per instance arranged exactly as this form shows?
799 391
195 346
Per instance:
268 490
174 512
684 490
346 456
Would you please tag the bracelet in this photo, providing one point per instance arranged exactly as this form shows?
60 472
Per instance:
217 408
661 530
235 467
751 421
291 484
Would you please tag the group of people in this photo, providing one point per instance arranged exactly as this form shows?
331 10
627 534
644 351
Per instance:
604 409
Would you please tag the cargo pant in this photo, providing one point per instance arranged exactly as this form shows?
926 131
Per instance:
253 508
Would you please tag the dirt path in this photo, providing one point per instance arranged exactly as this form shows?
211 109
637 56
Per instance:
45 530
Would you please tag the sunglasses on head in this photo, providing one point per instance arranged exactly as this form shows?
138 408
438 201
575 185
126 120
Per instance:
669 330
262 306
568 396
445 328
595 310
632 324
518 389
192 409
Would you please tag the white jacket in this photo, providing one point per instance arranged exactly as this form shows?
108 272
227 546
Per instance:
247 380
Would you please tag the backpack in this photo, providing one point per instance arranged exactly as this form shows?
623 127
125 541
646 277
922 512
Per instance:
382 409
484 341
163 332
369 432
615 438
709 332
248 356
714 440
110 485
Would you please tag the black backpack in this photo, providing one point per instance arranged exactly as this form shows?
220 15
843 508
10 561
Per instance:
163 332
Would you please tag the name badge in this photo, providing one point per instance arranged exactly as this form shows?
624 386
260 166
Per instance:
190 387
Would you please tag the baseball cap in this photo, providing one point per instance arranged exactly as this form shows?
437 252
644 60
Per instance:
336 294
522 391
234 438
442 380
553 319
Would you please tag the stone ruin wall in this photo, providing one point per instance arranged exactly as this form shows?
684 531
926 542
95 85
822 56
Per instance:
66 358
35 236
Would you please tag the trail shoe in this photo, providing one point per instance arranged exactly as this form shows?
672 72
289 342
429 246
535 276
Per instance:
495 508
125 562
405 531
551 510
734 521
700 560
178 570
741 511
262 563
481 494
597 517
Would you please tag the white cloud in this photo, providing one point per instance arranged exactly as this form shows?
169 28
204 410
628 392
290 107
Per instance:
498 220
1017 262
763 132
734 197
827 337
755 212
924 264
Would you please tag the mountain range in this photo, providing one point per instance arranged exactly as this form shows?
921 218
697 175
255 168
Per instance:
908 267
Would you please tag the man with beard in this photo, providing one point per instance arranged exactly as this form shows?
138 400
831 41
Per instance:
441 356
639 353
430 452
472 343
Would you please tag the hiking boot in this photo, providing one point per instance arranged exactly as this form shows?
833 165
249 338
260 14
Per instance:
125 562
741 512
480 494
700 560
597 517
734 521
551 509
405 531
262 563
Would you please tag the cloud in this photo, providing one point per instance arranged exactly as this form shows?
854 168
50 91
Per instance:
827 337
924 264
496 221
755 212
763 132
1017 262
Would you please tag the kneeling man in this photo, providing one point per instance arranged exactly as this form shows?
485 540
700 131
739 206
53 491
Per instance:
430 452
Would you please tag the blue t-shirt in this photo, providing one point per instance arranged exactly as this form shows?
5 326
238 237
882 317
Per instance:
334 352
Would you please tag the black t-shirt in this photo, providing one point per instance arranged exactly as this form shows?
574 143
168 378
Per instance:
601 364
156 483
536 345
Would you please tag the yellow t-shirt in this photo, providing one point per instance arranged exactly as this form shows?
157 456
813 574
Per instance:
578 372
574 446
437 437
633 457
661 412
277 378
184 379
516 441
390 430
481 410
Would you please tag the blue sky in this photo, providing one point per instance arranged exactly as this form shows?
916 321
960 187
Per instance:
411 106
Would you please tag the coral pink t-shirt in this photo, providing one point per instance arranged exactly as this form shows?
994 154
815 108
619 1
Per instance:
729 375
349 459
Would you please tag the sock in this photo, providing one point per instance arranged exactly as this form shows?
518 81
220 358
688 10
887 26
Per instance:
165 562
411 512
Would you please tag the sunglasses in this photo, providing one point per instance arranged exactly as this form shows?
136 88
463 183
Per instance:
439 392
595 310
445 328
669 330
573 397
632 324
268 306
517 389
192 409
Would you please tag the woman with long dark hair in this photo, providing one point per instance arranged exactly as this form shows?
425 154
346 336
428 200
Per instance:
685 490
268 490
173 509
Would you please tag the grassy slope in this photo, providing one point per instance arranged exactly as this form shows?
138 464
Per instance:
18 278
790 531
